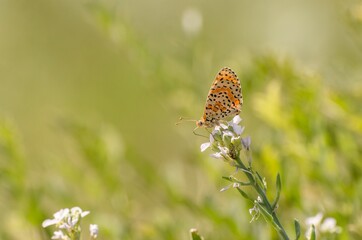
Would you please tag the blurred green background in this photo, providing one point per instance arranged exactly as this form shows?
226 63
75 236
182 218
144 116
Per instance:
90 92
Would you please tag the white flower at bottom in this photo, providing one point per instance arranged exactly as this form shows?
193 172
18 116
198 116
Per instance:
78 210
58 218
93 229
316 220
330 225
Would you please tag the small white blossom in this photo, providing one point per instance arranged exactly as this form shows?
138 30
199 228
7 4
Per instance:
237 119
234 123
93 229
76 210
226 141
316 220
254 212
225 188
58 218
191 21
205 146
330 225
216 155
60 235
246 142
236 185
212 139
228 133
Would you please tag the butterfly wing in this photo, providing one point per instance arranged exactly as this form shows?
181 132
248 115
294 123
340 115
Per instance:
224 98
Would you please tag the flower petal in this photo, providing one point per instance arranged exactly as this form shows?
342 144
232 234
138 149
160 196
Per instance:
238 129
330 225
223 126
216 155
237 119
59 235
49 222
85 213
316 220
228 133
225 188
204 146
212 138
93 229
246 142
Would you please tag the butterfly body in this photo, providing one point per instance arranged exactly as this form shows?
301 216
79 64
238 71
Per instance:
223 100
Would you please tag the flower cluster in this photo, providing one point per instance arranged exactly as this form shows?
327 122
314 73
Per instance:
226 141
67 221
328 226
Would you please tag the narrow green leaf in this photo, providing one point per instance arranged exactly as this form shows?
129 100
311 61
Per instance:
269 218
195 235
234 180
260 178
226 178
297 229
260 181
279 188
244 194
312 234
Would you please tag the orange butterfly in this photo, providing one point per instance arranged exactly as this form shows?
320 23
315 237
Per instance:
224 99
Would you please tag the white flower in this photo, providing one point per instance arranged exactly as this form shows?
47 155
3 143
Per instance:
212 139
225 188
216 155
330 225
246 142
93 229
237 119
228 133
76 210
191 21
254 212
223 150
316 220
60 235
205 146
65 218
58 218
237 129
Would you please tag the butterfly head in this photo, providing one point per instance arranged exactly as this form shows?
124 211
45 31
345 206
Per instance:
200 123
207 124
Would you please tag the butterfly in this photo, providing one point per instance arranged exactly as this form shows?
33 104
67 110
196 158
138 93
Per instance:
224 99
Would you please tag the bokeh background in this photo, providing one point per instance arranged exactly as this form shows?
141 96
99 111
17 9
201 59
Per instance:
90 91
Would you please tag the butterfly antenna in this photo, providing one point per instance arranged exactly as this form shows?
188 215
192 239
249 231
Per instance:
182 119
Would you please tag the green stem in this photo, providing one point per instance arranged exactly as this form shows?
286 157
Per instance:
260 190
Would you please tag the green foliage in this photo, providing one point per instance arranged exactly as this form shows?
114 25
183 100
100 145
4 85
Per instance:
120 73
297 229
